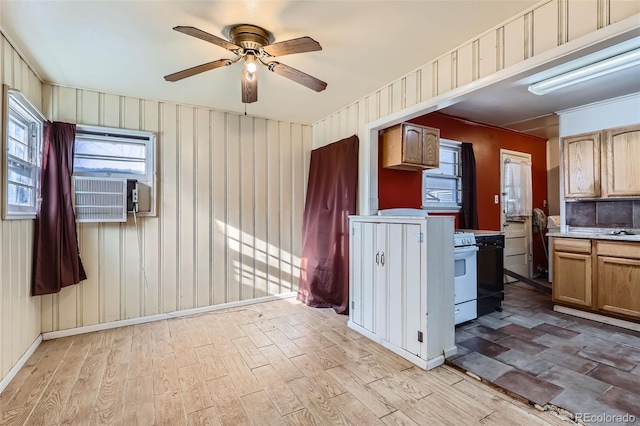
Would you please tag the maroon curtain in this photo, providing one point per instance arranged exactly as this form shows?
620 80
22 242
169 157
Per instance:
469 214
56 260
331 198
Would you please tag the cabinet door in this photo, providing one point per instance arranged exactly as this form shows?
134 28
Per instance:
380 296
430 148
405 301
619 286
572 278
411 144
581 164
622 155
362 270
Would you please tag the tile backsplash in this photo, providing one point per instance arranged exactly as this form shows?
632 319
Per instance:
604 214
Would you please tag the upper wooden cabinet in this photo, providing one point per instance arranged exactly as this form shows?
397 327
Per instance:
622 152
581 165
410 147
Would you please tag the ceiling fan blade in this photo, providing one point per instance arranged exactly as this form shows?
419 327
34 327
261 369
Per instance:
249 87
196 70
203 35
298 76
296 45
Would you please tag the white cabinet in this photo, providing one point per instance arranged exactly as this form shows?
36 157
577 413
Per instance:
401 285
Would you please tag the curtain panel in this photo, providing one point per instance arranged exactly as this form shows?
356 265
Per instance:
56 259
331 198
469 213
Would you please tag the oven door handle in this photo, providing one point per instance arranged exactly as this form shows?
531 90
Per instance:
465 250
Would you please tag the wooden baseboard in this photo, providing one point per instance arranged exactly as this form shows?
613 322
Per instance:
597 317
21 362
159 317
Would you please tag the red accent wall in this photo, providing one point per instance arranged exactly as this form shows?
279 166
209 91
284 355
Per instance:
402 189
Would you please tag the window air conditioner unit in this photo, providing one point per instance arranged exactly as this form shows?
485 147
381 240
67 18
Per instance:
100 199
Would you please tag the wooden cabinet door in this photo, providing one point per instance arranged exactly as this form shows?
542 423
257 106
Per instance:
411 144
431 148
619 286
572 281
581 164
622 148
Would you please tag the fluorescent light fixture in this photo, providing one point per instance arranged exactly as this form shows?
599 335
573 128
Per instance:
598 69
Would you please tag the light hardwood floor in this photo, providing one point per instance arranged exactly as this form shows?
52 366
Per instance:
273 363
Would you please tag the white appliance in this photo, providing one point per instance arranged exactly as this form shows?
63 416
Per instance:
466 277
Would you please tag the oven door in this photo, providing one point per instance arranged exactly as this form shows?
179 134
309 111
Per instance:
466 283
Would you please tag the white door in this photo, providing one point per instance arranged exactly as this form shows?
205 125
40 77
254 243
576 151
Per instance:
515 208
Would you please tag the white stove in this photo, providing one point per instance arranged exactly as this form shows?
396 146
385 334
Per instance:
466 277
464 239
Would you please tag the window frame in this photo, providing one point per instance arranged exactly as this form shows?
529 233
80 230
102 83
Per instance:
16 104
100 133
450 145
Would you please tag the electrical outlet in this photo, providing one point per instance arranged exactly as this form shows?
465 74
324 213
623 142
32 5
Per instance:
496 200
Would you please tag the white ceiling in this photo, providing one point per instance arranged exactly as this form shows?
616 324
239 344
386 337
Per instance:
126 47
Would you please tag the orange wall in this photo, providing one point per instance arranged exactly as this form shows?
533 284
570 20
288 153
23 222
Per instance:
403 188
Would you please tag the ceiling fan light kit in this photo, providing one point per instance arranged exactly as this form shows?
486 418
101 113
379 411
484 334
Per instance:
253 44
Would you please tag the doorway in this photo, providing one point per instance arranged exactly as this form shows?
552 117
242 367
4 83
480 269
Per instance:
515 211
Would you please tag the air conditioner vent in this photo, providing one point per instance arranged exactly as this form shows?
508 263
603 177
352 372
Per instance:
100 199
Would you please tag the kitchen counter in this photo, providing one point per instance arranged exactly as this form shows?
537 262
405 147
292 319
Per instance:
595 236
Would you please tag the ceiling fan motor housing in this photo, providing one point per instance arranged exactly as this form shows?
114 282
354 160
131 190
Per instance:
250 37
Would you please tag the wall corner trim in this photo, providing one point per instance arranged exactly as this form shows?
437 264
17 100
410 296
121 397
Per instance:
21 362
159 317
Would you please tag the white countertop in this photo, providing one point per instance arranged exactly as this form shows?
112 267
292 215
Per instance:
481 231
595 236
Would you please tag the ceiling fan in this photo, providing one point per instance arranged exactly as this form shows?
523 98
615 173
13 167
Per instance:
253 44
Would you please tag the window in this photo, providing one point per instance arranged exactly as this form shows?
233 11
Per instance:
23 156
117 153
442 187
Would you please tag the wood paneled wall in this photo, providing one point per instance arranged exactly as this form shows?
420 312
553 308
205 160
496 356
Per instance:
230 203
543 27
19 312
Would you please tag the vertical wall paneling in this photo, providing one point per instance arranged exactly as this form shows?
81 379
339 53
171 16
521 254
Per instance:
603 13
465 64
528 36
383 102
619 10
131 288
445 82
514 42
412 91
219 166
274 161
247 200
20 313
545 27
583 17
151 241
229 226
426 82
487 61
233 166
170 204
286 186
261 203
202 207
397 95
186 208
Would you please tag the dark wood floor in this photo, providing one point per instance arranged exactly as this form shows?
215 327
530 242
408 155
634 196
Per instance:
553 359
